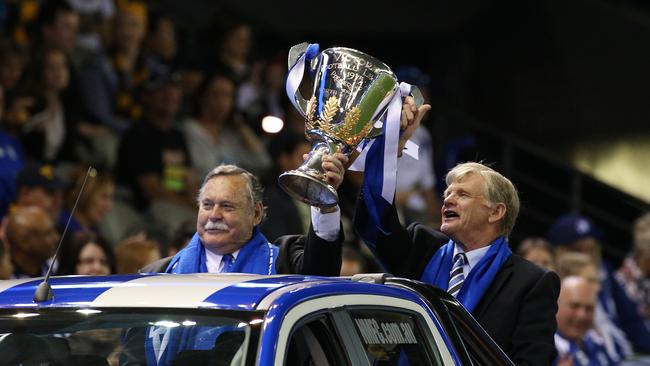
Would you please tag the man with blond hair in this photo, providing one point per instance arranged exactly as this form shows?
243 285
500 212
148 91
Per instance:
513 299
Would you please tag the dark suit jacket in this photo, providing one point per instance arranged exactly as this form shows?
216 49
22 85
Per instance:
517 310
299 254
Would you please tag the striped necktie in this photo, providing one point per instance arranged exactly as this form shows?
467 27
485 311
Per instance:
227 261
456 276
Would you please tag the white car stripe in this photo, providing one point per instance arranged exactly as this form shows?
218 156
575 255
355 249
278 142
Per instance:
189 291
11 283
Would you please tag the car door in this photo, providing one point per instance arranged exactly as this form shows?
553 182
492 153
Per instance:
360 330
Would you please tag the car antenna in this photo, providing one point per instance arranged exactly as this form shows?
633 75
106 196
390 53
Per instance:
44 290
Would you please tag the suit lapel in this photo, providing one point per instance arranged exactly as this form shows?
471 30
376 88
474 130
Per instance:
502 277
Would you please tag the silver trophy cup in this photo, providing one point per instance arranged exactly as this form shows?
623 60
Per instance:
350 93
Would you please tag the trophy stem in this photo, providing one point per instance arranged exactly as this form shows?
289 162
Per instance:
308 183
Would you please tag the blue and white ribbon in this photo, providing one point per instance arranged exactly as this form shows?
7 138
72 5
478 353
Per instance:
389 139
297 71
384 172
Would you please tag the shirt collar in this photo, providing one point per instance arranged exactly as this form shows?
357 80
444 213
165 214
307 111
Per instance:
473 256
213 260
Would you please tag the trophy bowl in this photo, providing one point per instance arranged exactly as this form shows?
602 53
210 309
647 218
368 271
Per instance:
349 94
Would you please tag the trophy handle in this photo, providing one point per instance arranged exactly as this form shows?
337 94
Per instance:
416 94
294 54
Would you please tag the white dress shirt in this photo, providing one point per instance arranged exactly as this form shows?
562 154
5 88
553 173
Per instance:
214 261
473 257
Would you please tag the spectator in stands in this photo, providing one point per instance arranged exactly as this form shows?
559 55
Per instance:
538 251
285 215
135 254
13 59
95 19
576 342
12 64
11 161
233 51
32 238
110 81
634 274
94 204
218 135
578 264
264 95
86 254
572 232
51 131
59 26
153 158
38 185
161 43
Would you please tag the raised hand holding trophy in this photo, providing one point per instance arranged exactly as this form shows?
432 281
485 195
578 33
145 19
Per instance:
350 94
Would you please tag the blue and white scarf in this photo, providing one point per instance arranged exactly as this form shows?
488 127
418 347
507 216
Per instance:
258 256
479 278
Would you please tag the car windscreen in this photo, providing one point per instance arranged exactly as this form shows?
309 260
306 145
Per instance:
114 336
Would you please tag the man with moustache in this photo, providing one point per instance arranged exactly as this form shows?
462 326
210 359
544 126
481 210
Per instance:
513 299
228 238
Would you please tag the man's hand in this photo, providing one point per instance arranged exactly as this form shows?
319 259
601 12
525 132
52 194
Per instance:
411 118
334 167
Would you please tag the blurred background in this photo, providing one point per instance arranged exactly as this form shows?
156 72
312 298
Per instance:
551 93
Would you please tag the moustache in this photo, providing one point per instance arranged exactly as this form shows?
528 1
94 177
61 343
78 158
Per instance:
216 225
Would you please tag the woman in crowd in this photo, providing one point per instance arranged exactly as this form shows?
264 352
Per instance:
86 254
94 204
216 135
50 133
132 255
538 251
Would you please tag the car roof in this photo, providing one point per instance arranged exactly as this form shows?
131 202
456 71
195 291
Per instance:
232 291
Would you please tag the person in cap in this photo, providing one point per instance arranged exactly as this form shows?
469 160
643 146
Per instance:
514 300
153 159
617 317
32 237
38 185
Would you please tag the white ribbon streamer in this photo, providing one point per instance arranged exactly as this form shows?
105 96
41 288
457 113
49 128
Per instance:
294 79
391 132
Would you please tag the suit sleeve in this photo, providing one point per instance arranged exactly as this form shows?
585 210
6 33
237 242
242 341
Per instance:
532 339
309 255
403 252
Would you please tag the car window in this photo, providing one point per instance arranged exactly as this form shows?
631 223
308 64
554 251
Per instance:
127 337
481 349
393 337
315 342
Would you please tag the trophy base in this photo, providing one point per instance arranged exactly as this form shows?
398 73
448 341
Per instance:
308 189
